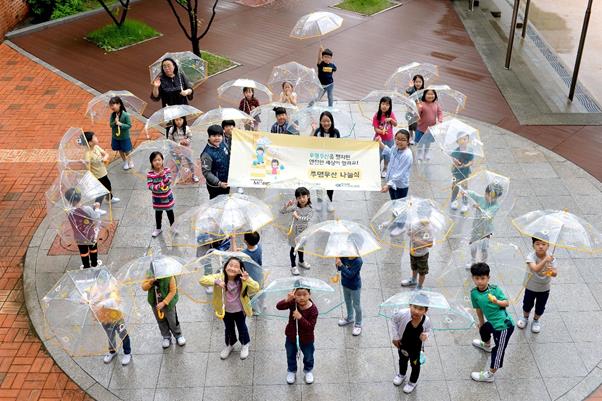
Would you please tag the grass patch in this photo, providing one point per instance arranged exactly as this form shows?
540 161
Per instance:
111 38
366 7
215 63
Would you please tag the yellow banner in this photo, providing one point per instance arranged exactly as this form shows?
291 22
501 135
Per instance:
260 160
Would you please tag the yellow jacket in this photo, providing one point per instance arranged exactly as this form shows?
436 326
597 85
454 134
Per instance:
249 287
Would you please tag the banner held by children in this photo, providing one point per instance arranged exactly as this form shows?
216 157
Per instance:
260 160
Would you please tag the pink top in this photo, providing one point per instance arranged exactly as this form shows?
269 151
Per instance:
232 298
381 124
430 114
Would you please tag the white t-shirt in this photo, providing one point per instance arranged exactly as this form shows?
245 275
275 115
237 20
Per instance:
538 282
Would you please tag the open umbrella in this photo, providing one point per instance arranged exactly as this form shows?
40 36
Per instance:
163 117
304 80
401 78
72 148
216 116
232 91
404 109
154 266
450 100
265 116
316 24
99 110
191 65
308 119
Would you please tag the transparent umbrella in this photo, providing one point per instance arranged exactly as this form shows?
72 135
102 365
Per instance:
99 110
316 24
216 116
155 266
450 100
232 91
404 109
189 64
308 119
304 80
265 116
402 77
72 149
163 117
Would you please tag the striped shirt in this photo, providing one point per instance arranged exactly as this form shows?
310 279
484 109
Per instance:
160 186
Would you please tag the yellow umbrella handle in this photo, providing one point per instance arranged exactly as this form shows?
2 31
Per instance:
222 313
160 314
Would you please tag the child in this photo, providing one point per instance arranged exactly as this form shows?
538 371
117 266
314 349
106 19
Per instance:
120 128
253 248
542 268
411 327
482 226
281 126
462 158
288 94
231 290
247 104
215 162
383 123
302 322
97 157
430 114
228 126
490 303
326 129
351 281
302 212
158 181
163 297
400 165
180 133
416 84
325 70
85 223
420 244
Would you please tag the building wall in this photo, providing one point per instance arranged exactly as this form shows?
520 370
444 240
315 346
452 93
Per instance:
11 13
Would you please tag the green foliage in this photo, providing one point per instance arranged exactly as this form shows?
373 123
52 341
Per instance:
41 10
111 38
366 7
65 8
215 63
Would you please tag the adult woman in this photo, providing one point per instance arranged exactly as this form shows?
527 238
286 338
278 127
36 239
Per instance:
171 86
326 129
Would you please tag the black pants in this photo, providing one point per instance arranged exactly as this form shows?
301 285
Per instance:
159 217
330 193
539 299
294 258
413 357
501 338
238 319
216 191
107 184
89 255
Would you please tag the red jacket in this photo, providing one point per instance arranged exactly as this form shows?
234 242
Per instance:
306 324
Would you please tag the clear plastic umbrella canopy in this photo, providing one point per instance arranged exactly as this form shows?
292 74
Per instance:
308 119
182 162
84 307
336 238
265 116
450 100
561 229
99 110
404 109
304 80
216 116
454 135
188 235
164 116
402 77
316 24
323 296
193 67
412 222
444 315
72 149
486 191
148 267
232 91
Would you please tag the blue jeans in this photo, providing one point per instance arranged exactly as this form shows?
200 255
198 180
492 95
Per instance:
118 328
352 302
328 89
291 355
398 193
387 156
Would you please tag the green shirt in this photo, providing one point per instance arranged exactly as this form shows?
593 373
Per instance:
163 289
494 314
124 129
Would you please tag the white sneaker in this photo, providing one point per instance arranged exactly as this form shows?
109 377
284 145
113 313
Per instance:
304 265
383 174
427 156
241 190
469 264
244 351
464 208
101 212
226 352
522 322
115 199
127 358
166 343
454 205
209 290
357 330
309 377
344 322
131 164
398 379
291 377
408 282
318 205
330 207
482 345
181 341
156 232
126 165
409 387
109 357
535 326
295 271
483 376
195 178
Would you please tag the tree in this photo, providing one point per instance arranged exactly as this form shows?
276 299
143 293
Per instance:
119 17
192 33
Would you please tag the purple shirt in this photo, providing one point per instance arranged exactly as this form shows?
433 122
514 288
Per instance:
232 297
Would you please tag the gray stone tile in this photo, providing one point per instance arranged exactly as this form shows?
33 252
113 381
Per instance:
231 370
459 361
469 390
143 372
328 334
374 391
330 366
281 392
427 390
558 360
370 364
558 386
182 369
583 326
375 334
179 393
134 394
270 367
95 367
521 389
553 329
518 363
568 302
227 393
590 353
325 391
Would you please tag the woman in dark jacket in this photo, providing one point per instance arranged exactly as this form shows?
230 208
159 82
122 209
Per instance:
172 87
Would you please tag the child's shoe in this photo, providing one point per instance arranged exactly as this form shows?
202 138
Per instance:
295 271
427 155
195 178
344 322
115 199
454 205
131 164
483 376
109 357
226 352
101 212
482 345
535 326
522 322
156 232
309 377
318 205
409 387
166 343
127 358
290 377
305 265
464 208
240 190
398 379
126 165
244 351
209 290
181 341
357 330
330 207
408 282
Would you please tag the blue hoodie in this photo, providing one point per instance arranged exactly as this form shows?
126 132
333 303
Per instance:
350 273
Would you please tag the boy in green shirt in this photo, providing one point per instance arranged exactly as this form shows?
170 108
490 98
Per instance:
490 303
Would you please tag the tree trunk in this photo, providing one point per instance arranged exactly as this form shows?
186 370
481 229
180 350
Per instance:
196 48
